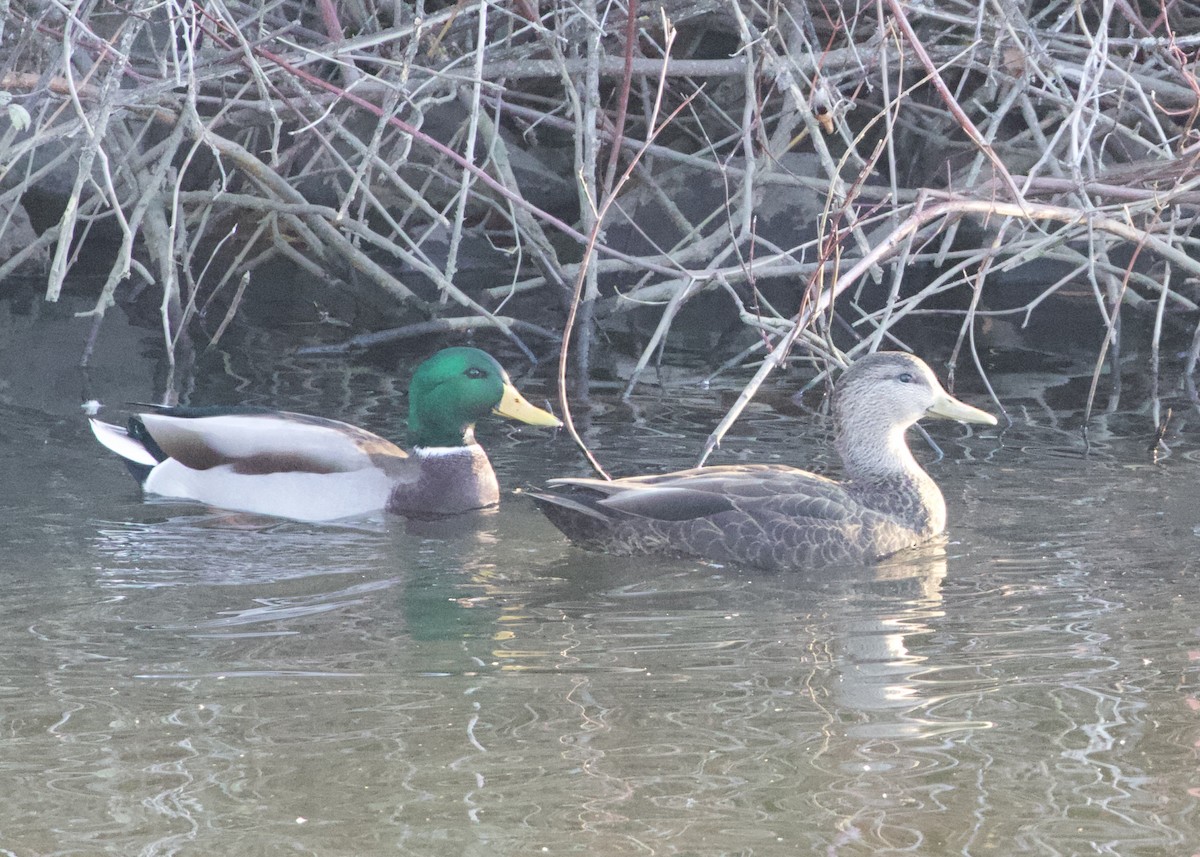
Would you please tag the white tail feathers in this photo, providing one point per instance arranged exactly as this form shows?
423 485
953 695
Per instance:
118 440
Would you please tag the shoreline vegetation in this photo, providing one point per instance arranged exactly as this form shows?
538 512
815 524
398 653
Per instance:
830 171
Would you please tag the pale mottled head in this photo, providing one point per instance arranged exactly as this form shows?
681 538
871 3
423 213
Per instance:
874 403
891 389
457 387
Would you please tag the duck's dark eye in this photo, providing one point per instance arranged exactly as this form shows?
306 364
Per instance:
474 372
905 377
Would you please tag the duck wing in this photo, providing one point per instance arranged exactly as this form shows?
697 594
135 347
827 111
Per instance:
258 442
707 491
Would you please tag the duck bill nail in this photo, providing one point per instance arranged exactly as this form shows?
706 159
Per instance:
952 409
514 406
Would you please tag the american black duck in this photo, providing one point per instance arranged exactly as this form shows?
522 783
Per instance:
779 517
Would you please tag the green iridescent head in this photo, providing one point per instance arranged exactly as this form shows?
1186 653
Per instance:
457 387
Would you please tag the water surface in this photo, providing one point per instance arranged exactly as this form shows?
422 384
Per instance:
180 681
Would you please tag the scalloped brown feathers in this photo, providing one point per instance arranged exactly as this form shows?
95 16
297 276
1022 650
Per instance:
778 517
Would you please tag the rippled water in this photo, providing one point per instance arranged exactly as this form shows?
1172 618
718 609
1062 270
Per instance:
183 682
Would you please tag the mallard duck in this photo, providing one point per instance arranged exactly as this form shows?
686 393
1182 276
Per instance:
314 469
778 517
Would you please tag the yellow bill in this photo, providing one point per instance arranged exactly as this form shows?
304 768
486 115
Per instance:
949 408
514 406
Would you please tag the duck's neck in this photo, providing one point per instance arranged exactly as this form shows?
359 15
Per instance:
436 431
884 475
872 451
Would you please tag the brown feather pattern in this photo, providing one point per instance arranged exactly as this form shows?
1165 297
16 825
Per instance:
779 517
